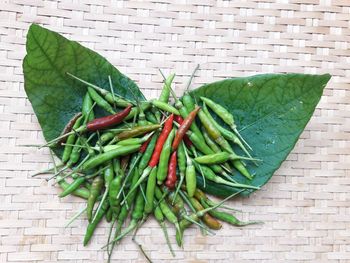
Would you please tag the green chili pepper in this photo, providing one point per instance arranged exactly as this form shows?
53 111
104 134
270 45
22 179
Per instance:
125 207
191 180
151 184
161 220
217 137
87 108
165 107
165 94
133 141
110 97
136 216
96 188
225 115
200 145
151 118
226 133
72 187
114 189
188 102
116 166
80 192
213 146
92 225
181 161
109 215
181 156
148 153
104 157
100 101
183 224
210 175
70 141
75 153
108 174
220 157
227 217
164 158
166 210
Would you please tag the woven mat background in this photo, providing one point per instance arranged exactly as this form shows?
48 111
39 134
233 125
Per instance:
305 206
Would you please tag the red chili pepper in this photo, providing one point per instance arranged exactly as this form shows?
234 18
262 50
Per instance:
168 125
171 178
144 145
187 140
105 122
184 128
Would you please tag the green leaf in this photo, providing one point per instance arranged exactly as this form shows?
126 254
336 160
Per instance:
271 111
56 97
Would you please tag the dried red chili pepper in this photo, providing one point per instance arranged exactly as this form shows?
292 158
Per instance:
171 177
107 121
184 128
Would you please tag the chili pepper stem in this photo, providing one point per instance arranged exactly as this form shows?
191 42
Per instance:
200 169
132 167
191 78
199 224
163 227
184 196
234 128
79 213
220 203
144 175
127 230
80 129
143 193
100 204
58 173
47 170
228 177
142 251
182 177
91 85
109 250
211 203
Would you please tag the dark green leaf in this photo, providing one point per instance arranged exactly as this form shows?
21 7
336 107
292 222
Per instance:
56 97
271 111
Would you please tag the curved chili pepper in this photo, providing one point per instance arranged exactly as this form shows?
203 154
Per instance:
184 128
171 178
187 140
87 108
104 122
100 101
165 107
168 125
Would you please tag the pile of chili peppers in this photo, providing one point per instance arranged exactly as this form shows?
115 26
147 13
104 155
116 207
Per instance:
144 160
